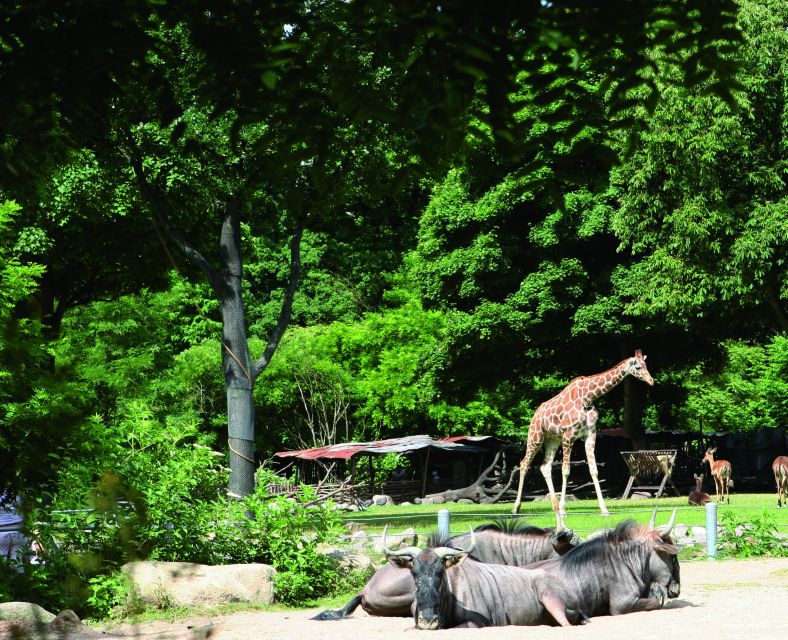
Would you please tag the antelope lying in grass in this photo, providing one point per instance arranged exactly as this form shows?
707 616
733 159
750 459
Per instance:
697 496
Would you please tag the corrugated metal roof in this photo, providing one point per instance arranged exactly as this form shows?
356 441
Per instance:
346 450
466 438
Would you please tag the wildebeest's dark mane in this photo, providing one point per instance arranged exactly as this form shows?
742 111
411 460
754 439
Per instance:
512 526
436 540
623 532
506 526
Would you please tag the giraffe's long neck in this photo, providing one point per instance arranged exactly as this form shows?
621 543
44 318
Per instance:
596 386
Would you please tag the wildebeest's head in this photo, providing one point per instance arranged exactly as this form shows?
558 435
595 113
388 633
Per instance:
664 562
428 567
646 550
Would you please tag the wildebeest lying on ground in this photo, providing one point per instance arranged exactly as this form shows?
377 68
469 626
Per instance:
391 589
628 568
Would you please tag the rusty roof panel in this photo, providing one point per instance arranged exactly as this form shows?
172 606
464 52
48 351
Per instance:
346 450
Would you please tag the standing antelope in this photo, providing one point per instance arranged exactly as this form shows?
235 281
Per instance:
721 472
780 468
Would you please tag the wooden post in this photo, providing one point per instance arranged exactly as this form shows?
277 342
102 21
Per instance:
424 473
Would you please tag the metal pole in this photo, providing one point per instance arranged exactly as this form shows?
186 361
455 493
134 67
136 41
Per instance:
711 530
443 524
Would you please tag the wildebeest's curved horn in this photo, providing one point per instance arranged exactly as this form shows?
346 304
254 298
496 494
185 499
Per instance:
442 552
665 529
653 522
473 541
408 551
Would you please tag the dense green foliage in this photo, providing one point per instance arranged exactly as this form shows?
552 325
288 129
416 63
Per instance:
492 203
750 537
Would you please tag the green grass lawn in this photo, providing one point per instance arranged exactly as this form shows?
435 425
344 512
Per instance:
582 515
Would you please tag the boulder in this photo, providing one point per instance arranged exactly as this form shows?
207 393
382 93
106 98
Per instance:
65 625
25 612
698 534
679 531
359 540
382 500
349 562
187 584
395 541
352 527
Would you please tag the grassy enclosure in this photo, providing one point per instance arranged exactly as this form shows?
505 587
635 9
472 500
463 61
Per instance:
582 515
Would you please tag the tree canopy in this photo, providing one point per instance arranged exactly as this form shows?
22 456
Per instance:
228 229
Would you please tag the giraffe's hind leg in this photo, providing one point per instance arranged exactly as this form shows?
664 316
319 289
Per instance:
547 471
566 447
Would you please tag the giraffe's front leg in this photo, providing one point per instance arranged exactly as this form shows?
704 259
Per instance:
592 468
566 445
547 471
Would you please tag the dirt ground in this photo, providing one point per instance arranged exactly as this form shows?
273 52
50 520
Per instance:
730 600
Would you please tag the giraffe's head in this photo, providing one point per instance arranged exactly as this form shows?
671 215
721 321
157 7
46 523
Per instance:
636 366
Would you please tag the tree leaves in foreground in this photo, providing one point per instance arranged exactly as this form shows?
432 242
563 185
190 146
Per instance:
459 61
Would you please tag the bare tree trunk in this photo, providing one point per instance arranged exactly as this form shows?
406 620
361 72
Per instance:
239 371
634 403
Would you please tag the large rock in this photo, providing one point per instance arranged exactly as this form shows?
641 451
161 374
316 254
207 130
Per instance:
184 583
349 562
25 612
395 540
65 625
698 534
382 500
359 540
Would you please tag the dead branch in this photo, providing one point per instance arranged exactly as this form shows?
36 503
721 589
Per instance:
476 491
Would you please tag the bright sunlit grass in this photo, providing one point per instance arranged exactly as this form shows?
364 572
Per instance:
582 515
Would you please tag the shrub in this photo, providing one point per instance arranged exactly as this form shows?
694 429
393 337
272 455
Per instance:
283 532
742 538
109 595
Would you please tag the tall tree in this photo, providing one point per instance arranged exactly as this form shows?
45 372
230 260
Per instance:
704 200
407 67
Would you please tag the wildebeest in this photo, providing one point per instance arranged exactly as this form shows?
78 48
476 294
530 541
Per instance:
628 568
697 496
780 468
638 566
391 589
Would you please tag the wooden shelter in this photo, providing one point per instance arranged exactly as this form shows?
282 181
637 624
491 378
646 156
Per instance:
435 464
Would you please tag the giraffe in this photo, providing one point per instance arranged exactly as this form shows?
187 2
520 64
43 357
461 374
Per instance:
564 418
